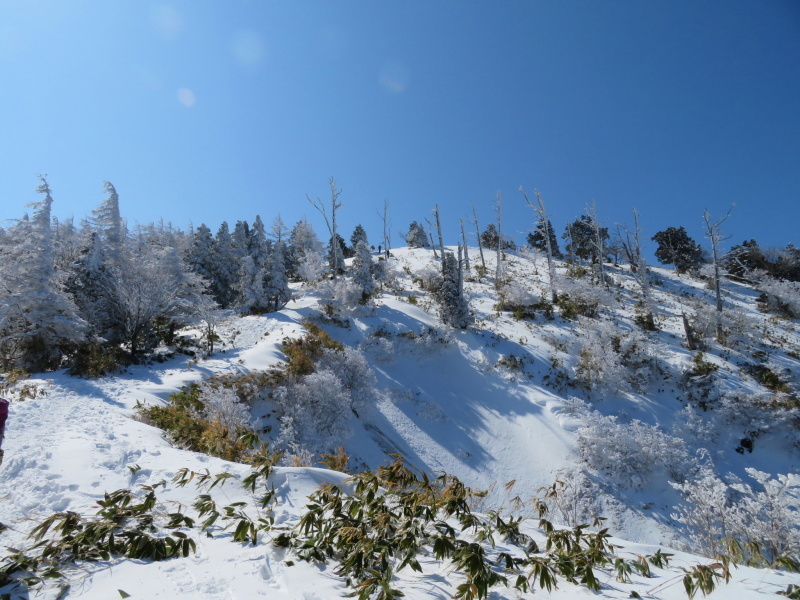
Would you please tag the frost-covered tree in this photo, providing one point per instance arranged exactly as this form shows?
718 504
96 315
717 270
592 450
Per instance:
202 254
226 272
337 252
416 236
240 237
251 297
258 246
361 271
276 283
306 259
675 247
39 322
155 285
453 305
582 238
358 235
108 222
91 284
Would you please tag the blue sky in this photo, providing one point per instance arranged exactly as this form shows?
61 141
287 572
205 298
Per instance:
204 112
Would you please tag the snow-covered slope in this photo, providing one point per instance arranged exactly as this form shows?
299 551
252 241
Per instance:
495 404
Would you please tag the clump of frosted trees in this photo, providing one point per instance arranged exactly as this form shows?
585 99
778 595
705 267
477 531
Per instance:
99 291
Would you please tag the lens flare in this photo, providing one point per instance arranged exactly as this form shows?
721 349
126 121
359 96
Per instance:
186 97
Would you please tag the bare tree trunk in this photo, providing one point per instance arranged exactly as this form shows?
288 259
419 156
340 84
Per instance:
430 237
330 222
385 219
478 233
498 272
542 214
633 248
460 273
598 241
464 241
714 234
690 341
439 233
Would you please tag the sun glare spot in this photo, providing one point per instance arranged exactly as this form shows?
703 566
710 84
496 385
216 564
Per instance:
393 77
186 97
167 21
249 48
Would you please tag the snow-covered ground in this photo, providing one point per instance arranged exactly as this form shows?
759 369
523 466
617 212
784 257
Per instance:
451 401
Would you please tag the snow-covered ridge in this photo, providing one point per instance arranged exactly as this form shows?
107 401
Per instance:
491 404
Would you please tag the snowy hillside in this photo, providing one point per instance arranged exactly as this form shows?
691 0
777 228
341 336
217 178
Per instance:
634 426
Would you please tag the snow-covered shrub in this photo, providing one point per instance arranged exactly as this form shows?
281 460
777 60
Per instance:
311 267
767 516
317 404
612 360
629 454
782 297
352 370
513 293
770 514
579 297
691 426
736 326
385 273
316 412
223 405
430 340
429 277
207 418
571 498
342 296
758 414
707 513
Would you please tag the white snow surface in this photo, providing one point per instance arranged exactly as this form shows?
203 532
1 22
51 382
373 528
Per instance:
444 406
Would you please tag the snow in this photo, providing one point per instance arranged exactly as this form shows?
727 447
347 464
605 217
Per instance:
445 405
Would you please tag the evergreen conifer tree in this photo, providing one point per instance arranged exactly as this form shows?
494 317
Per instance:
536 239
39 322
453 305
358 235
675 247
416 236
223 286
276 283
361 271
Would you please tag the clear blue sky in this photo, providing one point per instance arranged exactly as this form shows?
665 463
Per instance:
212 111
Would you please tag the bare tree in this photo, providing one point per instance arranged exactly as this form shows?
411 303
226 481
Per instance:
439 228
633 248
464 242
386 226
478 235
498 272
714 234
430 237
330 221
541 213
591 210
